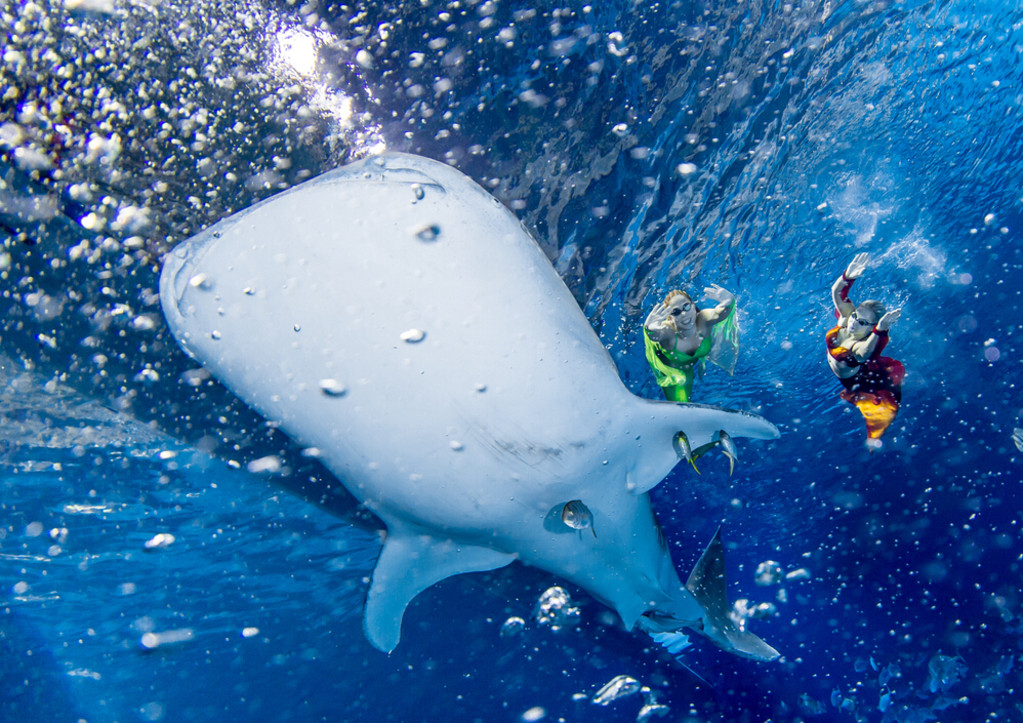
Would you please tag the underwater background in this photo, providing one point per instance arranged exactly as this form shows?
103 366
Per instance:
167 555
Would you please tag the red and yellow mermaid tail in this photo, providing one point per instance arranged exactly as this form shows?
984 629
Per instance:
879 410
878 394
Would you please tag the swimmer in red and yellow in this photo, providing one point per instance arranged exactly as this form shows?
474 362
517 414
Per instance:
873 383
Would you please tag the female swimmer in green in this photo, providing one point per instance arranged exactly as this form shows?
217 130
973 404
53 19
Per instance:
677 335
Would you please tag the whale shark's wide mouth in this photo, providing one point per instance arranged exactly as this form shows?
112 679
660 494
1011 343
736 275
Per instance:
180 273
183 262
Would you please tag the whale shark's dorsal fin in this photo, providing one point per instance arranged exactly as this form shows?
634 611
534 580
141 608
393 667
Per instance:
707 580
707 584
408 564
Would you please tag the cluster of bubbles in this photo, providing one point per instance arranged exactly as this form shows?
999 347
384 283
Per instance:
555 611
898 700
115 145
623 686
768 574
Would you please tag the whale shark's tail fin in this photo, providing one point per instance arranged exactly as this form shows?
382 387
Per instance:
707 584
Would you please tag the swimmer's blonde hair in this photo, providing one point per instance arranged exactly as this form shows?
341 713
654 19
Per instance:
677 292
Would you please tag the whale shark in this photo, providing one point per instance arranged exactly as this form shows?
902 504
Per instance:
399 322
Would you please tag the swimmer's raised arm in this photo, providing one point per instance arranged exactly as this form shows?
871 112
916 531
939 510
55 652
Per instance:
720 312
657 324
840 289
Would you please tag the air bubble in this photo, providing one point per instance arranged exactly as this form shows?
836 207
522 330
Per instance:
512 627
269 464
194 377
143 322
364 59
413 336
200 281
555 609
332 387
160 541
152 641
768 573
427 232
618 687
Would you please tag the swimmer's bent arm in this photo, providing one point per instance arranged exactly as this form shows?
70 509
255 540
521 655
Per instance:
720 312
864 349
840 289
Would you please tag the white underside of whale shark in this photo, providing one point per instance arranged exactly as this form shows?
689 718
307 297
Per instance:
399 319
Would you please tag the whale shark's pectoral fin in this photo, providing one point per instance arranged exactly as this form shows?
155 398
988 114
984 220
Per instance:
707 584
674 431
408 564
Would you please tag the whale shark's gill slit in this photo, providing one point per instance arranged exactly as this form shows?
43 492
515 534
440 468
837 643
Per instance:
662 541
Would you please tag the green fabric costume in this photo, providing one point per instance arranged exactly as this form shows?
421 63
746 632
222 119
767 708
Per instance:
674 370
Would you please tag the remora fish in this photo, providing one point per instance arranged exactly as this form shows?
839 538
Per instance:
577 515
477 396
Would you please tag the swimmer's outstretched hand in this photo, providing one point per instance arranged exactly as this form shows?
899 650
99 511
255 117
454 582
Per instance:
857 266
658 317
886 321
719 294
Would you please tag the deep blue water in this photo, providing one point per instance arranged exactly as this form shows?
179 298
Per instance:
813 131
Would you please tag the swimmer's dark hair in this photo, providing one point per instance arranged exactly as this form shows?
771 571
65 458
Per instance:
876 308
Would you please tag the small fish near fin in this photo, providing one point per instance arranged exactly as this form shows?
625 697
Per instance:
728 449
684 450
408 564
707 584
